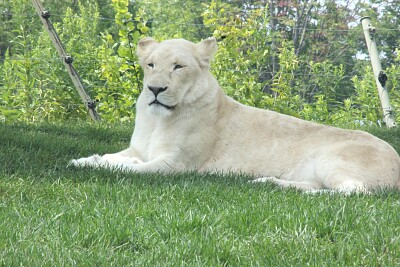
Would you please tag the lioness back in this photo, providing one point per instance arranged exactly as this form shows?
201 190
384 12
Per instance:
266 143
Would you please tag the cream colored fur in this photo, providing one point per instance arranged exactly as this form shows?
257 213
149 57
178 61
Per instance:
195 126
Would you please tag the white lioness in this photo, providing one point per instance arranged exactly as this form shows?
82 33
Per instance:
184 122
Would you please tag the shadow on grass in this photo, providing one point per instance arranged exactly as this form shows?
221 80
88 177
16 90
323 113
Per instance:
42 152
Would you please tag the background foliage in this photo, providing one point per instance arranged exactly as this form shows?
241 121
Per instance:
303 58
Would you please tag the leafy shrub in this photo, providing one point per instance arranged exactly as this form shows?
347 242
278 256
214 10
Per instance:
119 69
35 86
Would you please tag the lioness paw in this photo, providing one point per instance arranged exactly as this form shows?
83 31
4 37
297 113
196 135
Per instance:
117 159
94 160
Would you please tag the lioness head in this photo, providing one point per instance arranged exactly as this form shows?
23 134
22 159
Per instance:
176 72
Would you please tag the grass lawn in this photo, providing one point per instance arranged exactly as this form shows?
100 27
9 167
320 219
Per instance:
51 215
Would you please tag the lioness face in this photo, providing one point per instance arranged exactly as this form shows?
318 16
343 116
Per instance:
172 70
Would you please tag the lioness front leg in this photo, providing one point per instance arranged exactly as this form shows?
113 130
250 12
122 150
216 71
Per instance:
107 160
120 161
127 156
160 165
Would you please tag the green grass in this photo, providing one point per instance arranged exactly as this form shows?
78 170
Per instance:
51 215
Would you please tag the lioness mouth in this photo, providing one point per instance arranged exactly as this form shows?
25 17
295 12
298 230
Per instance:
161 104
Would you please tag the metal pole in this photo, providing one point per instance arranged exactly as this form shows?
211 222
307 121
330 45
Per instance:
67 59
380 76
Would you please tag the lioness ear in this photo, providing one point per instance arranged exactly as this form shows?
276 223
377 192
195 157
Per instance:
144 46
207 49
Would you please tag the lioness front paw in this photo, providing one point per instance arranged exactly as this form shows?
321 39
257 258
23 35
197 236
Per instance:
94 160
117 159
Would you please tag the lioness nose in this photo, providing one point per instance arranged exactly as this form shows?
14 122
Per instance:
157 90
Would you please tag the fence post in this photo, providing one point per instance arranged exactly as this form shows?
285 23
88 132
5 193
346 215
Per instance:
67 60
380 76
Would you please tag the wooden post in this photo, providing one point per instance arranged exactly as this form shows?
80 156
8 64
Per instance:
380 76
67 60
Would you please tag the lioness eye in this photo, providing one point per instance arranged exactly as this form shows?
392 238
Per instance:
150 65
177 67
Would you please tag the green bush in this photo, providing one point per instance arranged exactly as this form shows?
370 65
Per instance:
254 65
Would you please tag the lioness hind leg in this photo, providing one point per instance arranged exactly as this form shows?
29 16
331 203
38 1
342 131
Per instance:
347 187
302 185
